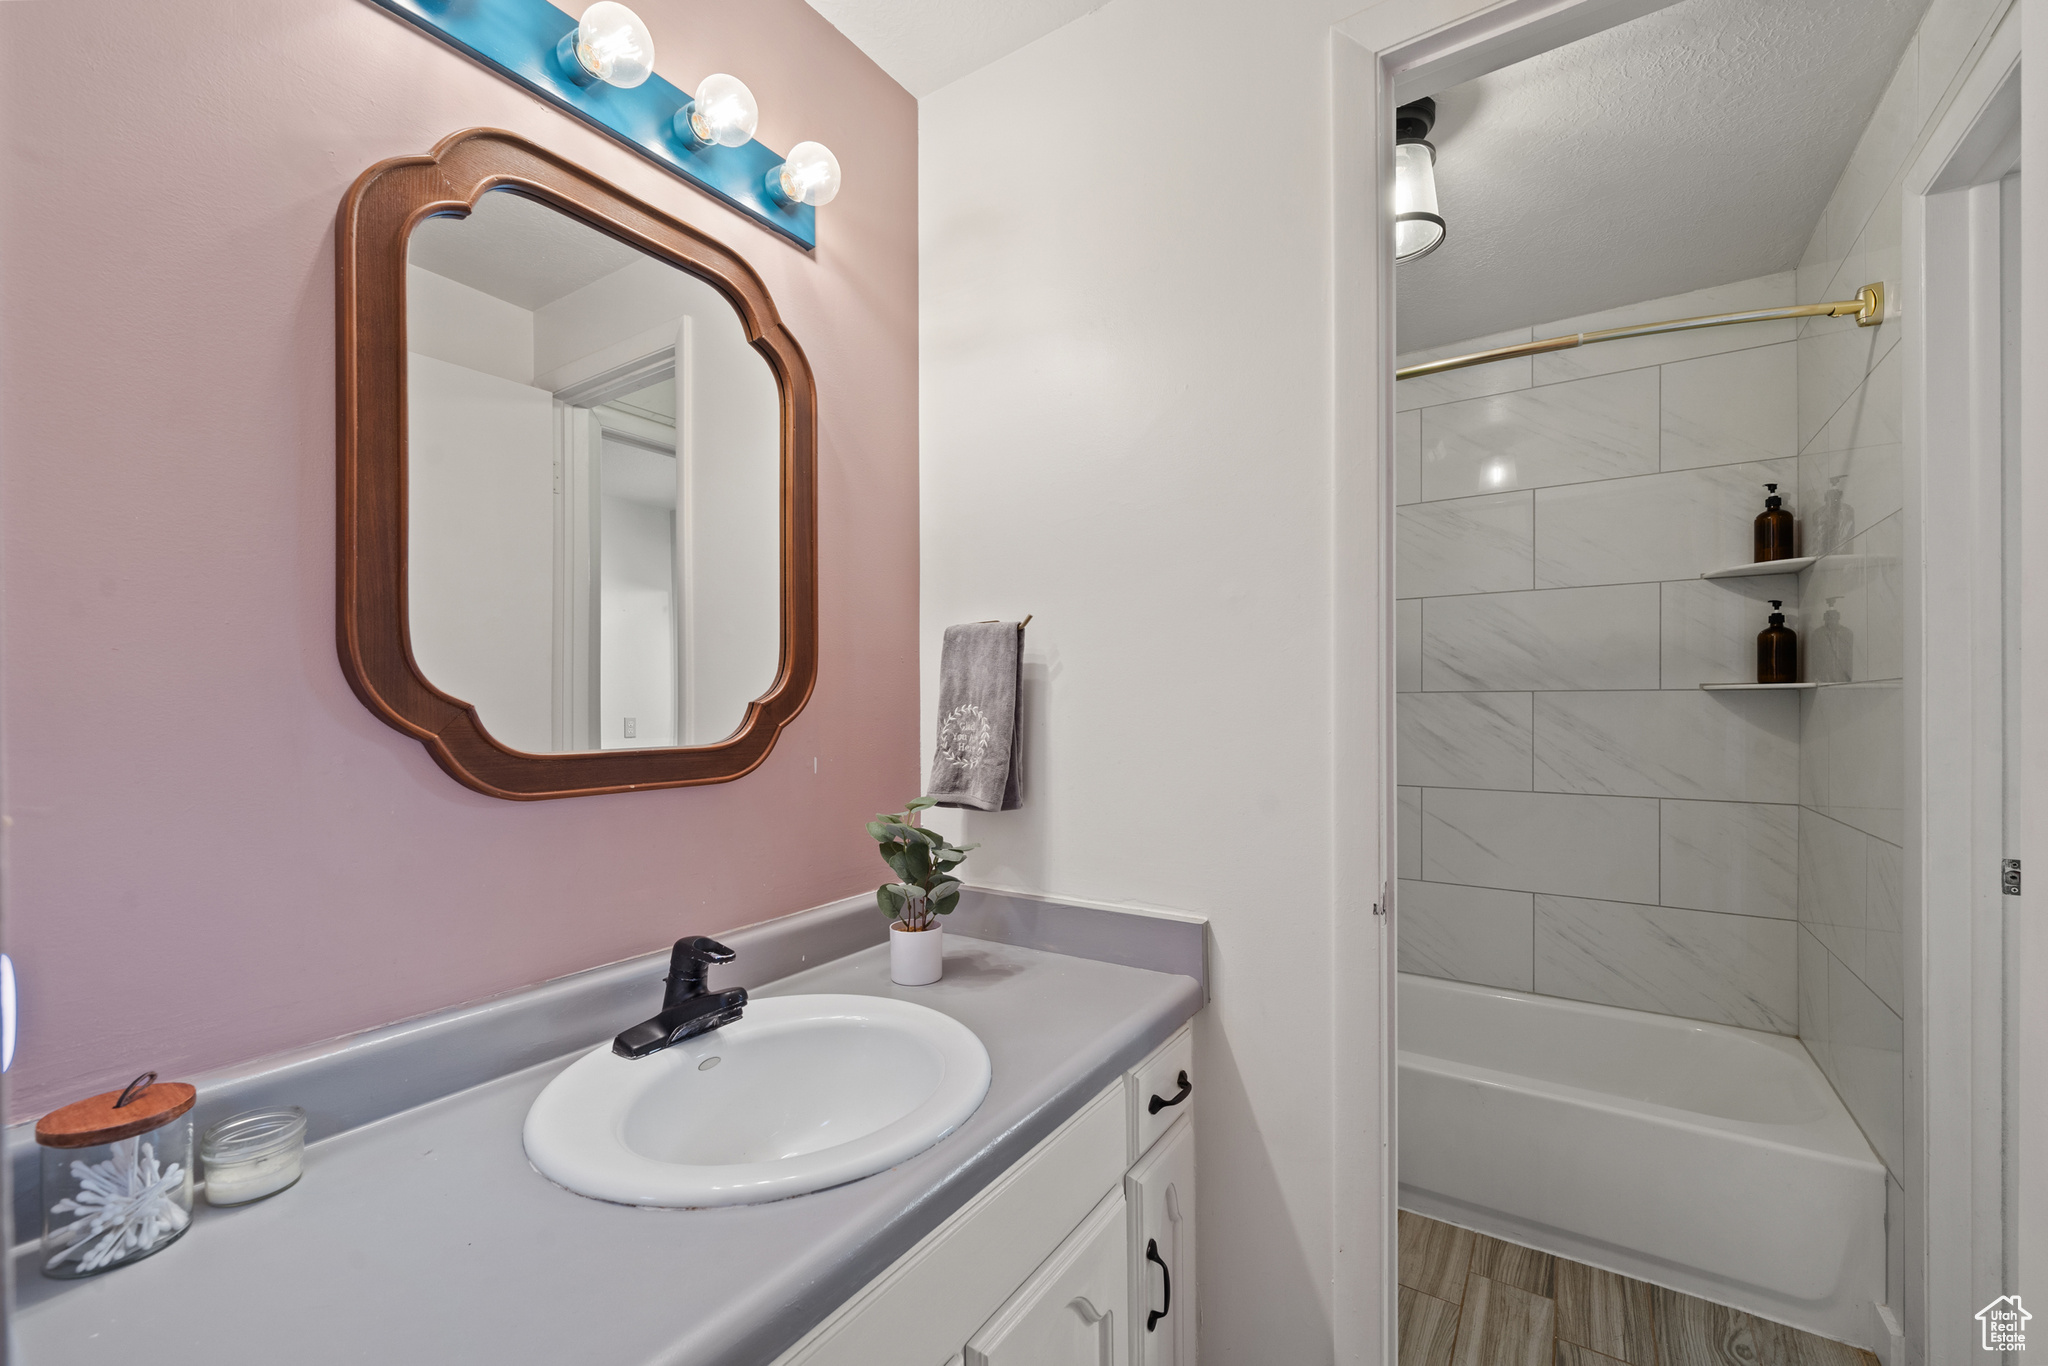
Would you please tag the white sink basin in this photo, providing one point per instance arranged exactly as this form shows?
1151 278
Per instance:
803 1093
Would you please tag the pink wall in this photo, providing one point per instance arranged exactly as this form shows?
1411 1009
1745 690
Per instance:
215 851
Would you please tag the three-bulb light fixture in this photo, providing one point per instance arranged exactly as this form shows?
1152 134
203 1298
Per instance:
1418 227
611 44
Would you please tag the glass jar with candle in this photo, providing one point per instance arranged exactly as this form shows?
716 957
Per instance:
253 1155
117 1176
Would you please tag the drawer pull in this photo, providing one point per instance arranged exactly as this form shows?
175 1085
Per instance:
1152 1316
1157 1103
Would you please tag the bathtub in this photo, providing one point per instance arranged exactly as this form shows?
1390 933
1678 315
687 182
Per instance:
1711 1160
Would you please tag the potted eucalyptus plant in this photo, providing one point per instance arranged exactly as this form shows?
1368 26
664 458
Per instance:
925 889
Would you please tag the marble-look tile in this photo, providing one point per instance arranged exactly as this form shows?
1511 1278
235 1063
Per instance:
1466 934
1409 834
1606 1312
1866 1043
1734 747
1948 31
1833 872
1730 409
1887 139
1503 1326
1853 396
1496 377
1740 858
1852 756
1601 428
1408 456
1428 1329
1408 646
1541 842
1813 1000
1709 627
1844 492
1660 526
1884 935
1731 969
1833 626
1434 1256
1558 638
1463 545
1880 647
1465 739
1766 291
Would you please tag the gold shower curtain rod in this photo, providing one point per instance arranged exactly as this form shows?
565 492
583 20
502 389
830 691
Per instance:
1867 308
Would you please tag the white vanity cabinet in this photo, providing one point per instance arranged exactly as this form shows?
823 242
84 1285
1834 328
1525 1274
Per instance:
1048 1265
1160 1194
1073 1310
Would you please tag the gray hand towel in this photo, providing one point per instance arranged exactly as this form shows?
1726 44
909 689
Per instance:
975 764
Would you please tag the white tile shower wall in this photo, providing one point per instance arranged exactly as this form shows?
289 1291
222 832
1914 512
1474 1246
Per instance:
1578 818
1852 739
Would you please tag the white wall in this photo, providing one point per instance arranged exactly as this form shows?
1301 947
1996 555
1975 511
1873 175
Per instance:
1126 431
463 326
636 630
1578 818
480 587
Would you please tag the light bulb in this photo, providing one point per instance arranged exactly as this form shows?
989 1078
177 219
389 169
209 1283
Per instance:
808 175
1418 227
608 44
723 112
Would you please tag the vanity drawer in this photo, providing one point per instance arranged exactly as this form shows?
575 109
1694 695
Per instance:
1161 1090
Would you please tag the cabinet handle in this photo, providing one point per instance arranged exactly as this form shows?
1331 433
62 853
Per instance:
1152 1316
1156 1104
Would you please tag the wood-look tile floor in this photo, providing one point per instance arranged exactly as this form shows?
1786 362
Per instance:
1471 1300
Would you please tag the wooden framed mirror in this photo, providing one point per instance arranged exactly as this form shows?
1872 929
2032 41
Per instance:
577 505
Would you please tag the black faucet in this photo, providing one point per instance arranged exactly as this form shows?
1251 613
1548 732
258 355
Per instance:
687 1009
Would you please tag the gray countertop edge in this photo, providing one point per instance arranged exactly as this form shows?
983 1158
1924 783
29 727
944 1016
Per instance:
360 1079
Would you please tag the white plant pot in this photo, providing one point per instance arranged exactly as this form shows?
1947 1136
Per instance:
916 957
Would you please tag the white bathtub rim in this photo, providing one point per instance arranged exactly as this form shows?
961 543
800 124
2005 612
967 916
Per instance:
1834 1137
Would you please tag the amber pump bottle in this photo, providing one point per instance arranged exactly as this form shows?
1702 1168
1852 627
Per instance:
1777 649
1775 530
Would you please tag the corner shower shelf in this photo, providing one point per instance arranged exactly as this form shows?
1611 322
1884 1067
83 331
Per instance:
1744 571
1756 687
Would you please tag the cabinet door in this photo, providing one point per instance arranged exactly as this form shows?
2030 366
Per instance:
1071 1312
1161 1194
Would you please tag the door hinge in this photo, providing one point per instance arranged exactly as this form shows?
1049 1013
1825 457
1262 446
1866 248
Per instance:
2010 881
1386 895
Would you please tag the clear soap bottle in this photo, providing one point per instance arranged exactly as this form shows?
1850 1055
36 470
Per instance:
1777 649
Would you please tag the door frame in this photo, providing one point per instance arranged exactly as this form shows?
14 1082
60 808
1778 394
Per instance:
1954 1249
1391 52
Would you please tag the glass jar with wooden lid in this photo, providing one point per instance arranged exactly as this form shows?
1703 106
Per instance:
117 1176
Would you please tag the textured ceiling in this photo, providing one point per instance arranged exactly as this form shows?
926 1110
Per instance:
925 44
1692 147
518 250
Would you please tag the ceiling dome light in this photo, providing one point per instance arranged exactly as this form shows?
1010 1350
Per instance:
608 44
1418 227
723 112
809 175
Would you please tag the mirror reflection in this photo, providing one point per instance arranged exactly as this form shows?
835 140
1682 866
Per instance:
593 486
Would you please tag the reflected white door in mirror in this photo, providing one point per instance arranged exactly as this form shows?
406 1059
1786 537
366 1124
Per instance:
594 486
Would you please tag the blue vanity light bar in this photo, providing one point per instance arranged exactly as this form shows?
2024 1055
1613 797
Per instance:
517 38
